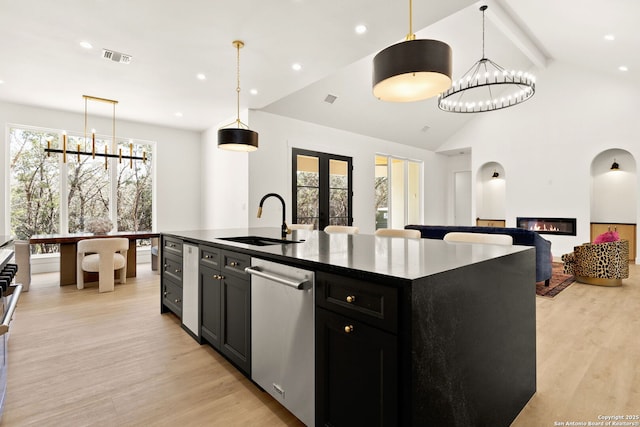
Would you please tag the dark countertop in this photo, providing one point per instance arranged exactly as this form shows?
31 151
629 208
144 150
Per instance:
408 259
5 240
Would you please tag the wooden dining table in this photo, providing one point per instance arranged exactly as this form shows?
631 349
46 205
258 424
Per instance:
69 244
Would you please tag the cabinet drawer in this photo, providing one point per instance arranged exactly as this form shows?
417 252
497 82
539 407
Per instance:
368 302
235 263
210 256
171 245
172 267
172 297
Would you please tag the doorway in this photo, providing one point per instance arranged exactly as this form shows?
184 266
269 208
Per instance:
322 188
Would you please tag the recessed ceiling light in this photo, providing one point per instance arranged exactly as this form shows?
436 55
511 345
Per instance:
610 37
1 82
178 114
296 67
253 91
86 45
623 68
201 76
361 29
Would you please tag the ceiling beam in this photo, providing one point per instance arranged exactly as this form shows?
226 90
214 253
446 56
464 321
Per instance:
506 24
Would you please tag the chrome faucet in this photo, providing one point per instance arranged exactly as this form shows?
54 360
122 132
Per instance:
285 228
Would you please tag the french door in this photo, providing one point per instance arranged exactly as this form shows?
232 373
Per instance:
322 188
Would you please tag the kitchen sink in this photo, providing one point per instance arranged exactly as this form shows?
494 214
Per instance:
259 241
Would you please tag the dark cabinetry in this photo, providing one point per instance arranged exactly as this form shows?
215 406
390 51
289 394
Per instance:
356 352
226 304
171 282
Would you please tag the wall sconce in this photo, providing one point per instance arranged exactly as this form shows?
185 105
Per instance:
615 166
495 174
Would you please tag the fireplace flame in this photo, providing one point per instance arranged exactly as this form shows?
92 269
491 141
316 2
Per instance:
543 227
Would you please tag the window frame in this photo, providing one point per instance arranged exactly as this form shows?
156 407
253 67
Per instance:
323 184
64 171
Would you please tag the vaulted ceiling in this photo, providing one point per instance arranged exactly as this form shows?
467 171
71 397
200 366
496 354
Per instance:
172 42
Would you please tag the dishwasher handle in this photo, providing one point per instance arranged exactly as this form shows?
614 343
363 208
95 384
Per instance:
15 295
294 283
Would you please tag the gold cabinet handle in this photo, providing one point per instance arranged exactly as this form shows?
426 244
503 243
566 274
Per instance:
351 299
178 270
233 264
348 329
164 294
166 265
207 257
218 277
178 300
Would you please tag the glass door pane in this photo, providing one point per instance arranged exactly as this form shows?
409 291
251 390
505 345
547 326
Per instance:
307 190
397 193
382 191
415 200
338 193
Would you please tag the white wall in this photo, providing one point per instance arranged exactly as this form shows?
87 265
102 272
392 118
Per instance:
225 184
547 144
177 178
270 167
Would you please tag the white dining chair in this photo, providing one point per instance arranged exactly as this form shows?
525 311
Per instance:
301 226
341 229
398 232
496 239
102 256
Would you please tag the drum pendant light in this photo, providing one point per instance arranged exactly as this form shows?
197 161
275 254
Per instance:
412 70
239 138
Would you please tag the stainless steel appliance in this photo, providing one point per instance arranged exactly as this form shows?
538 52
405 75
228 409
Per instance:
9 295
282 335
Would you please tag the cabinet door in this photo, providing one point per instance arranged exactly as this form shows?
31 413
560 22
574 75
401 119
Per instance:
210 310
236 321
356 373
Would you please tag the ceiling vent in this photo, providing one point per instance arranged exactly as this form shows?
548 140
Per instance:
330 99
114 56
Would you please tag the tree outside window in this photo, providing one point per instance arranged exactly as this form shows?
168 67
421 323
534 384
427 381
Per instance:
42 202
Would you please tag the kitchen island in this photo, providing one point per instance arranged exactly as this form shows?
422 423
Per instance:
407 331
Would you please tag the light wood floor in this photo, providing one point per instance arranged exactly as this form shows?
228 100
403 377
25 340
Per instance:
80 358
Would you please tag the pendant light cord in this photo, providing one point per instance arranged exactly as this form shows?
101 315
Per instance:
411 36
238 87
483 9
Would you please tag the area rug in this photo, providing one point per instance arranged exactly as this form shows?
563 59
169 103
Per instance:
559 282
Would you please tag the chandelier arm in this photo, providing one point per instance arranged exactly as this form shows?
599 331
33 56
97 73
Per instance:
486 70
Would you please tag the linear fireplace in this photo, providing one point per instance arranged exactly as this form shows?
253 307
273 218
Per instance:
559 226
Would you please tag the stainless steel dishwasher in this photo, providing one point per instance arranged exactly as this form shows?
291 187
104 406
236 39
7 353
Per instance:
282 335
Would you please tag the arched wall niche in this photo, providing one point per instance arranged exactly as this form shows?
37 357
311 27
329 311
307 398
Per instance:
614 192
491 192
614 196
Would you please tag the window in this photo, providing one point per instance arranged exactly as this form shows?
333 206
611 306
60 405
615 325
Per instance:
51 196
322 189
398 192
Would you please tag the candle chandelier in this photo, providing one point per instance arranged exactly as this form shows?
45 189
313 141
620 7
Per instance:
93 153
481 87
